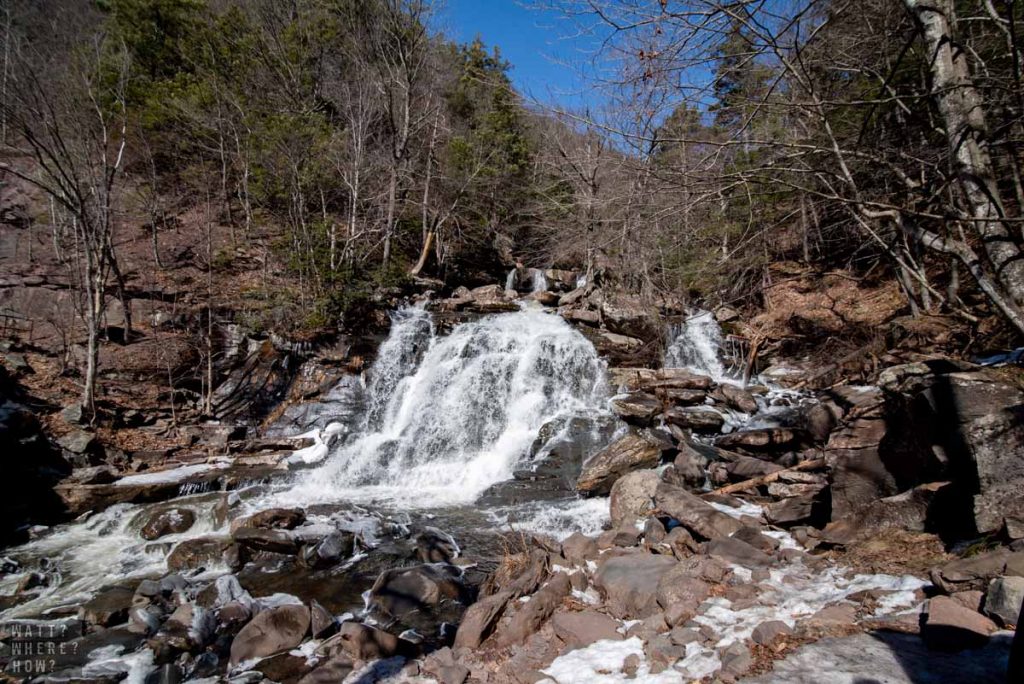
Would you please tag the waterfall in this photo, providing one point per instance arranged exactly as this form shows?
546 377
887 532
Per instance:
453 415
510 280
697 344
540 282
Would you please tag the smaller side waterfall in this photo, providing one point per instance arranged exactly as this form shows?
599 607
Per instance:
697 344
540 282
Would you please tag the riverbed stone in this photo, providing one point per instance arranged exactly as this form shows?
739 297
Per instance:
1004 599
272 631
692 512
631 452
532 614
479 619
582 628
733 550
767 632
271 518
109 607
629 583
171 521
632 496
951 627
638 408
700 419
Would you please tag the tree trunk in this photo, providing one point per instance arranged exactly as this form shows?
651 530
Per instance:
960 105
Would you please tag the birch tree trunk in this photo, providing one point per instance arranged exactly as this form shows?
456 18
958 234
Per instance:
960 105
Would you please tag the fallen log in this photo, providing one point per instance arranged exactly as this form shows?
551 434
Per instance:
809 464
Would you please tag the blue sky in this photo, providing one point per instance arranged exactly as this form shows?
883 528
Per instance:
530 39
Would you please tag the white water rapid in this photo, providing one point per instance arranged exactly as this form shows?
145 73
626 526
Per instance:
451 416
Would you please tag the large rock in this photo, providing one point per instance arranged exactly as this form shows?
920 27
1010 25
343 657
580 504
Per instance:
975 572
109 607
419 589
952 627
1004 599
738 398
736 551
629 453
636 407
203 552
271 519
532 614
693 513
363 642
632 497
649 380
701 419
679 593
629 583
261 539
479 619
580 629
171 521
760 440
974 421
272 631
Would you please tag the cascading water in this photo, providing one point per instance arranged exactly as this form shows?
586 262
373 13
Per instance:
540 281
697 344
451 416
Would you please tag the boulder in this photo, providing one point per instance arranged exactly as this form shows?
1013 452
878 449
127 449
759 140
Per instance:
580 629
203 552
263 539
109 607
443 667
170 521
533 613
680 592
421 588
1004 599
975 572
363 642
272 631
680 397
271 519
650 380
327 552
696 418
951 627
479 619
331 671
760 440
632 497
579 548
694 513
738 398
629 583
626 454
767 632
733 550
435 546
690 466
638 408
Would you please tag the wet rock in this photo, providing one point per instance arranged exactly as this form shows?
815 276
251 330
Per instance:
760 440
629 584
272 631
951 627
435 546
170 521
271 519
109 607
638 408
696 418
738 398
693 513
532 614
733 550
328 551
189 628
263 539
401 591
580 629
363 642
767 632
232 615
665 378
1004 599
203 552
690 466
632 497
625 537
283 667
629 453
479 619
680 397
